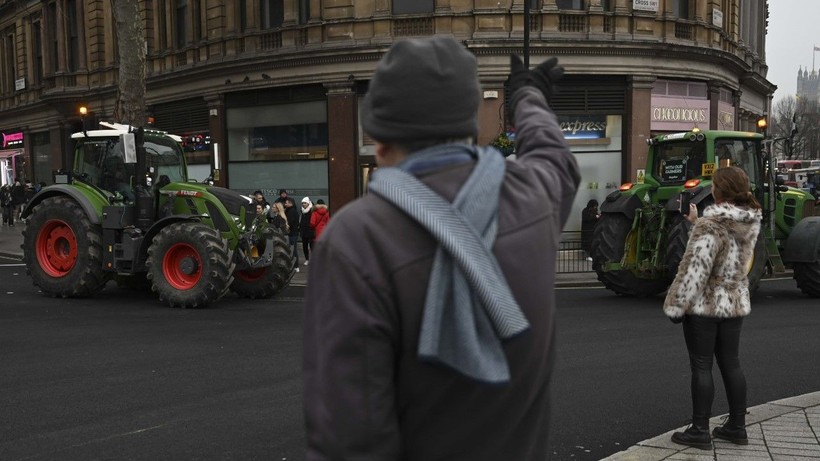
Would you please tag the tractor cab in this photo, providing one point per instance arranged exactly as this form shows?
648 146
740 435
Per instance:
105 160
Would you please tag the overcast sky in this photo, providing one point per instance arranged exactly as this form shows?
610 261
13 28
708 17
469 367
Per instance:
794 29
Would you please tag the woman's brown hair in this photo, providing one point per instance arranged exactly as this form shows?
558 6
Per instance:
731 184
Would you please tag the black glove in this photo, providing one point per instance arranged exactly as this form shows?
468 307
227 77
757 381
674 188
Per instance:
543 77
676 319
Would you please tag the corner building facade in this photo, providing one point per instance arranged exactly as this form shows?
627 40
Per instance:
266 93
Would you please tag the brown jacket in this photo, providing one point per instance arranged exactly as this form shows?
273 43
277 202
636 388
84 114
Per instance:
367 396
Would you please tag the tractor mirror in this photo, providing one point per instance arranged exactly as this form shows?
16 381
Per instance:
129 147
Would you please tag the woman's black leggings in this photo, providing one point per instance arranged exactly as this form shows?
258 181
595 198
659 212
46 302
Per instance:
707 337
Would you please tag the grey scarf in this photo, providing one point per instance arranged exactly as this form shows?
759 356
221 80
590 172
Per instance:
469 307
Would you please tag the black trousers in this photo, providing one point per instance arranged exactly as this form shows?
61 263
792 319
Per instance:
708 337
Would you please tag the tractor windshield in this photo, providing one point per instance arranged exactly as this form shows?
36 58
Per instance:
742 153
679 160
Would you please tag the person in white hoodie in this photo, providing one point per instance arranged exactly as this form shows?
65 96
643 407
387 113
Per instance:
305 230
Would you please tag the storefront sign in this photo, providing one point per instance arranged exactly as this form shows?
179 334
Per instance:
726 116
583 126
645 5
679 114
12 139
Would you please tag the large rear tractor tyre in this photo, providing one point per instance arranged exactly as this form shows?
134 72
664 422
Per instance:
270 280
62 250
189 265
676 242
608 242
807 276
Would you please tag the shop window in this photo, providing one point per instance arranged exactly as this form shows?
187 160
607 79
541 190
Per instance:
272 13
570 4
413 6
296 131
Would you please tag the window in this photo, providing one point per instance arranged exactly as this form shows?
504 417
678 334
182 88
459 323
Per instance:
53 40
740 153
675 162
243 15
37 52
181 18
304 11
197 20
162 26
608 5
73 36
413 6
570 4
680 9
8 58
272 13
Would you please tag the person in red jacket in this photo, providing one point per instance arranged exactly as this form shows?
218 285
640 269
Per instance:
319 218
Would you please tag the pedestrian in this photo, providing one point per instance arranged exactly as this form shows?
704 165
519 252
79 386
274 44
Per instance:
259 199
7 204
305 230
283 196
292 214
319 218
407 355
18 198
589 218
710 295
279 219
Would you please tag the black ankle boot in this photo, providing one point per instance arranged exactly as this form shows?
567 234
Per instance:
736 435
695 436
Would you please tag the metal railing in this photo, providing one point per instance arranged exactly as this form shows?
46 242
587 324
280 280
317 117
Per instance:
571 258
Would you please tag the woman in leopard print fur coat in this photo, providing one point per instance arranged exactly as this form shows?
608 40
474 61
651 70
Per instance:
710 295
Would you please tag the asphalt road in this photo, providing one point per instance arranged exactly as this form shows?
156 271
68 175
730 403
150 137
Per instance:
121 376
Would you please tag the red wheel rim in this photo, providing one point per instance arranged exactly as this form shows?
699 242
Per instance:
56 248
251 275
182 266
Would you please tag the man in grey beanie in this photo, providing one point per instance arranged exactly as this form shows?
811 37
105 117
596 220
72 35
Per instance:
429 313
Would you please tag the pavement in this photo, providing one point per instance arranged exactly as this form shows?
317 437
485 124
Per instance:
787 429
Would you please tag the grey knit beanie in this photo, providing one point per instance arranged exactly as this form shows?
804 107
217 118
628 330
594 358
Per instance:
423 89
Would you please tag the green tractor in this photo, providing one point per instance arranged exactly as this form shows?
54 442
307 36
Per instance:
642 234
127 211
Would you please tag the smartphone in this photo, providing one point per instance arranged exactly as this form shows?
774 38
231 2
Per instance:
685 200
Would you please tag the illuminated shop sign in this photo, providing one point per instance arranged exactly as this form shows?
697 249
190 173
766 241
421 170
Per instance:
12 139
583 126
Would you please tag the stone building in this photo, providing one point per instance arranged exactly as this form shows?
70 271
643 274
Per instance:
266 93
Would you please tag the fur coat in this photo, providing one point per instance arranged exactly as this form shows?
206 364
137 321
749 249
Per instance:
711 279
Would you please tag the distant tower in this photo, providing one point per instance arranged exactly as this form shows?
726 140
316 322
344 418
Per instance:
808 83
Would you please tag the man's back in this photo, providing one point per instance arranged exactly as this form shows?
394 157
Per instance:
367 321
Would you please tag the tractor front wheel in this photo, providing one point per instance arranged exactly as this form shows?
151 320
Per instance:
189 265
807 276
62 249
267 281
608 243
